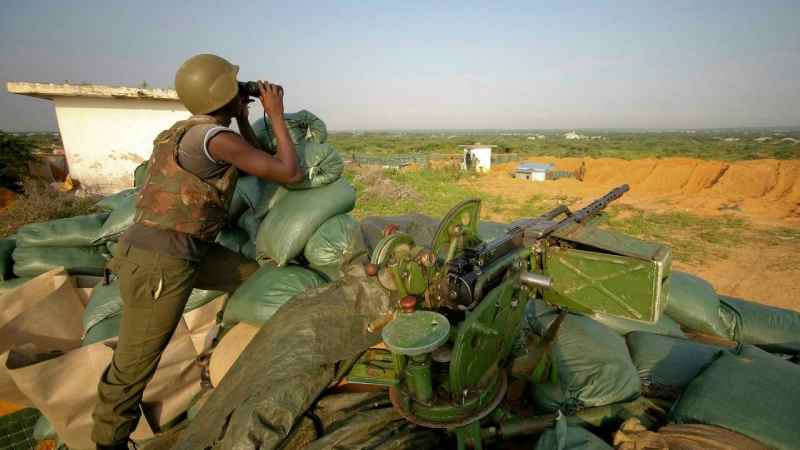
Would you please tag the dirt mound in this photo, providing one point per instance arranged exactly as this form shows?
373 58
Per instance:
766 191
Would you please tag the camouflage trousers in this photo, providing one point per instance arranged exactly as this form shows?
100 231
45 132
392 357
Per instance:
154 290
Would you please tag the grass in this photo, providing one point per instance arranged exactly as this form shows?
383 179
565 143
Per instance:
694 239
427 191
703 144
41 203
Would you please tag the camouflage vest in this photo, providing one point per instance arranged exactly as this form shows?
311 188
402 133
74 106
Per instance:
175 199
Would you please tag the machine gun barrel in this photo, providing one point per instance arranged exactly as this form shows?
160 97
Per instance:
482 267
578 216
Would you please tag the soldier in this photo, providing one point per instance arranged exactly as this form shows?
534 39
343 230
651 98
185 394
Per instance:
183 204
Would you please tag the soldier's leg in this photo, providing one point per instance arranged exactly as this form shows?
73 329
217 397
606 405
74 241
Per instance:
223 269
154 291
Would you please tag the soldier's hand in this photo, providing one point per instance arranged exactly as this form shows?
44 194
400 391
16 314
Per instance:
271 98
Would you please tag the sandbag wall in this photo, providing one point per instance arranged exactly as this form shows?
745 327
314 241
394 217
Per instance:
601 361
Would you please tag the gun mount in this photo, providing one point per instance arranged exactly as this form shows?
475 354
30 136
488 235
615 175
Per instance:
460 304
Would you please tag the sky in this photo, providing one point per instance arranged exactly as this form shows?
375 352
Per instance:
365 65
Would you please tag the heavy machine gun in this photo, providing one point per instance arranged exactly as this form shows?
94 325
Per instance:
460 303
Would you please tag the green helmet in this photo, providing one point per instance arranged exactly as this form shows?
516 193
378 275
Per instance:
206 83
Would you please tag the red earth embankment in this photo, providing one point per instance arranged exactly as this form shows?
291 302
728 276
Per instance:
765 191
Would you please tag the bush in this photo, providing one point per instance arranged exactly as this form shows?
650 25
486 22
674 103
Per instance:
15 153
41 203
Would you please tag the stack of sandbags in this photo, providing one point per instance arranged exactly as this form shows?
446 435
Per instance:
71 243
266 223
296 215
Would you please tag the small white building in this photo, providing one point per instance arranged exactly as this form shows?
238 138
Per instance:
533 171
477 157
106 131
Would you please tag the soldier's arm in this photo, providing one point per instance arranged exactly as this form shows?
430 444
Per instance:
232 148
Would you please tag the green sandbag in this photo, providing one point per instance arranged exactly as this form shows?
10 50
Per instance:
756 397
33 261
245 196
334 244
258 298
113 201
271 194
320 164
285 231
119 220
668 364
237 240
249 222
302 125
248 194
78 231
664 325
104 330
139 174
106 302
592 364
7 247
43 430
774 329
547 397
693 303
567 437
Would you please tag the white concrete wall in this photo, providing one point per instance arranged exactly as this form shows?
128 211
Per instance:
483 159
106 138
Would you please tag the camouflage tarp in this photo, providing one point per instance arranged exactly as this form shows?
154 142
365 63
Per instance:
310 342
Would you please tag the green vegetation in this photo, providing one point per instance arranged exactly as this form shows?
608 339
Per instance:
15 153
694 239
41 203
702 144
389 192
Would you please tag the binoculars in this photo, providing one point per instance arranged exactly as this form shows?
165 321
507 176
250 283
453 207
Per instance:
250 88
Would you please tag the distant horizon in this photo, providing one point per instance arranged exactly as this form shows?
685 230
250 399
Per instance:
774 129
